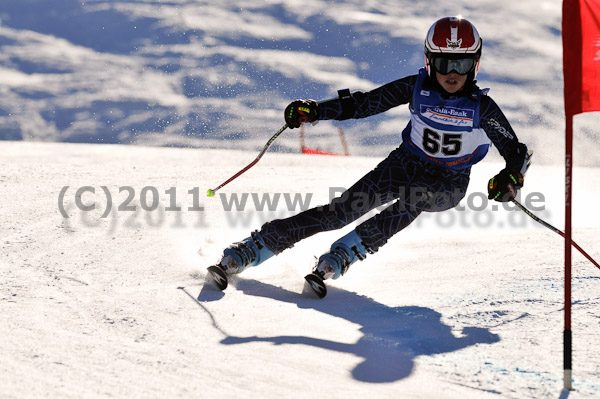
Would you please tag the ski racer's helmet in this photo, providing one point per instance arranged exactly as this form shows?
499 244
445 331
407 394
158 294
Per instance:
453 45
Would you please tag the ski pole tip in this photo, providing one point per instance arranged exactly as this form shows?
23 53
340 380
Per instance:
210 192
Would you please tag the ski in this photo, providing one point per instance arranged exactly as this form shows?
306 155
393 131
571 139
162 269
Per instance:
316 283
313 280
218 276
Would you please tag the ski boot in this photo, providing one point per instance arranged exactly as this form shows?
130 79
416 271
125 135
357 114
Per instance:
336 262
251 251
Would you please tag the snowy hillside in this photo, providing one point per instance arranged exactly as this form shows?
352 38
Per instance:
218 74
468 305
104 247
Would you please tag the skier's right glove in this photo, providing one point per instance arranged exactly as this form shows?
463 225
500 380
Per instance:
503 187
301 111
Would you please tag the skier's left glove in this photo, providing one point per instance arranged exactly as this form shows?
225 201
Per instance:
300 111
504 186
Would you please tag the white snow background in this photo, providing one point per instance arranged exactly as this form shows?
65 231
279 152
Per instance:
464 304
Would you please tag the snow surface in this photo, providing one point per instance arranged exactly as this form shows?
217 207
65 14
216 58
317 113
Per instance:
119 307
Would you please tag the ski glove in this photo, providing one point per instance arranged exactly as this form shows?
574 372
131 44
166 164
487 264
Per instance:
504 186
300 111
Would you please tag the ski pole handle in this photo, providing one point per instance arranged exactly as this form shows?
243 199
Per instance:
211 191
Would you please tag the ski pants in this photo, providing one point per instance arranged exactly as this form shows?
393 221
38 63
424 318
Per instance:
407 183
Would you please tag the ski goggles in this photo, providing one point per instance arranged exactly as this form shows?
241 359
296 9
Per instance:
461 66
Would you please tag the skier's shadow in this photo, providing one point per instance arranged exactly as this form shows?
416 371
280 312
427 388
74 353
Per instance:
393 336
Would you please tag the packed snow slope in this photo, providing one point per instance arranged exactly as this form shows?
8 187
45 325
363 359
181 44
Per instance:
465 304
218 74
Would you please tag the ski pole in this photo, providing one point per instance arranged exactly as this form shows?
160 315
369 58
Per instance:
554 229
211 191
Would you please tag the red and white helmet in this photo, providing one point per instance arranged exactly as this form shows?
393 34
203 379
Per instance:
453 38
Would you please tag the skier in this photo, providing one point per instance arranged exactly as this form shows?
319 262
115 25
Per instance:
452 125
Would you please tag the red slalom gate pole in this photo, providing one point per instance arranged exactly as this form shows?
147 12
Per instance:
581 72
568 334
